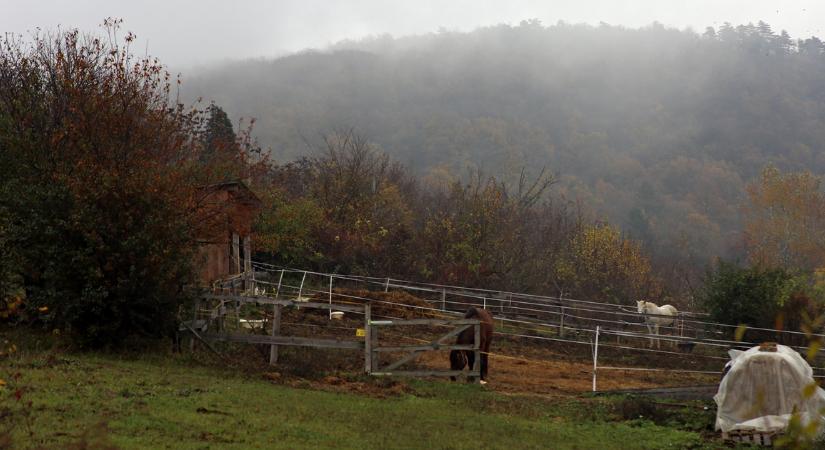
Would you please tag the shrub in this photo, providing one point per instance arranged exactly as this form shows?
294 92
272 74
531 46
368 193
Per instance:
751 295
98 193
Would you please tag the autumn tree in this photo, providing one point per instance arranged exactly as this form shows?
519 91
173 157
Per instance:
347 209
483 232
785 220
99 193
602 264
351 209
288 227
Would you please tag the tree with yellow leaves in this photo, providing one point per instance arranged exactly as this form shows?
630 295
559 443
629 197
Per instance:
785 220
602 264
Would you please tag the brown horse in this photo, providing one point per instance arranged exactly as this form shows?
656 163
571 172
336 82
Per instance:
461 358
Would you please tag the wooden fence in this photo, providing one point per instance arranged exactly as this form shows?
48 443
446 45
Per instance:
212 311
213 326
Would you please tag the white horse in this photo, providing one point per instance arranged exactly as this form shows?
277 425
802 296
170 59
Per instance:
656 316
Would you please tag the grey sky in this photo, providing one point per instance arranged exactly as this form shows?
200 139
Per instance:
190 32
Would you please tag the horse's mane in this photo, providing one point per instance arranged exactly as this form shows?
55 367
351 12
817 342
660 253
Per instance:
471 312
481 314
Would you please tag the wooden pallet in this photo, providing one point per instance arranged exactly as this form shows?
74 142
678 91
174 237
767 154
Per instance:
752 437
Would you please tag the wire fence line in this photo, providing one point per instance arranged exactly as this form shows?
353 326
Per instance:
541 326
514 304
622 323
480 292
529 318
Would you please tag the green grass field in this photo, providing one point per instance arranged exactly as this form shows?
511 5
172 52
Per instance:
164 401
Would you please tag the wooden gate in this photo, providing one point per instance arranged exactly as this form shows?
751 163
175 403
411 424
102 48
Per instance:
209 325
374 350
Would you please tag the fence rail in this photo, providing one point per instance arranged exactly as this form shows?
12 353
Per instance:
522 317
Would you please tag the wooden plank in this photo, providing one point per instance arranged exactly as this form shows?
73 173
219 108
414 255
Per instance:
337 307
403 360
196 324
422 348
201 338
444 322
276 330
432 345
235 298
427 373
284 340
283 302
453 333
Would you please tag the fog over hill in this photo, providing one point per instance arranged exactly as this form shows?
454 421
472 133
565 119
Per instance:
656 129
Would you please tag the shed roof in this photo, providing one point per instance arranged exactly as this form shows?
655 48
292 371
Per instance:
238 189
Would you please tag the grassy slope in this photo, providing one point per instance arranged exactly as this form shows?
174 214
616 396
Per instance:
154 402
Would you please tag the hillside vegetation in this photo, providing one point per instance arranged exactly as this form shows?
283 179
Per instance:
655 129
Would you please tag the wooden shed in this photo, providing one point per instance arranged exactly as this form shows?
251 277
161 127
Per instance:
226 250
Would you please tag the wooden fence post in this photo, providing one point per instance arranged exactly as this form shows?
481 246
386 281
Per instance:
238 314
443 299
595 358
368 338
254 284
561 324
330 297
376 361
236 254
194 321
276 330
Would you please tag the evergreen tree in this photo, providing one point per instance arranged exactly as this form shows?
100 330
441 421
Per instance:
218 134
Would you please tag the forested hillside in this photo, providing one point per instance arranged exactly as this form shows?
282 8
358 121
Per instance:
657 130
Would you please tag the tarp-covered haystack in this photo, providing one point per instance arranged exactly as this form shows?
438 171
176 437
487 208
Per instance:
763 388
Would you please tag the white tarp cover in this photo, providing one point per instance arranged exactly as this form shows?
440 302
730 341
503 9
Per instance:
762 390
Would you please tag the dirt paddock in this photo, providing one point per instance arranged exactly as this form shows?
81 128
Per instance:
562 376
516 365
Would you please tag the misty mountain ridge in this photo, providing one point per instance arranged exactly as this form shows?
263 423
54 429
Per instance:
656 129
